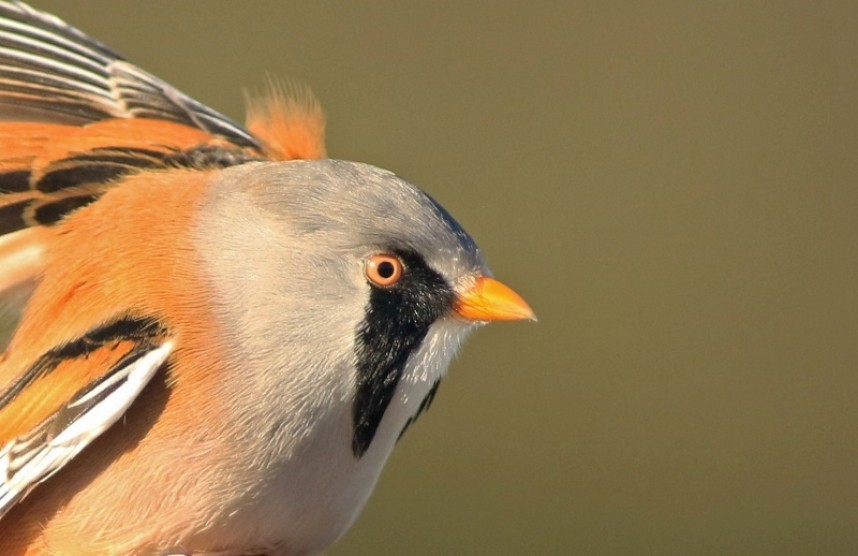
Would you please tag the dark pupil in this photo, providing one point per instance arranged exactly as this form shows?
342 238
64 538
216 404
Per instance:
386 270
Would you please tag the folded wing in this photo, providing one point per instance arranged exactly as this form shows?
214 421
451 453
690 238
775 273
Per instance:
104 371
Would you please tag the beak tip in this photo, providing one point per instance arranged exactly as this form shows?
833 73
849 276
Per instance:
519 309
529 316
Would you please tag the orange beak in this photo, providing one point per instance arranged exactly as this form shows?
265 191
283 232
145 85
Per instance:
489 299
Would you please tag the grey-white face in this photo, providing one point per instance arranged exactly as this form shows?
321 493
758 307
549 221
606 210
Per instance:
297 252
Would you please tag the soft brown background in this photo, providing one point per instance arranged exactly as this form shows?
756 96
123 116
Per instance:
673 187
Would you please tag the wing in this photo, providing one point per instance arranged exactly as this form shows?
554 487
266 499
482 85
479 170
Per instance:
76 118
52 72
111 366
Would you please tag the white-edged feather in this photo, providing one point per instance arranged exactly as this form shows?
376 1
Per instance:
53 72
29 460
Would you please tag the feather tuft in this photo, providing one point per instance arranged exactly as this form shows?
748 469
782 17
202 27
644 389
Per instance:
288 120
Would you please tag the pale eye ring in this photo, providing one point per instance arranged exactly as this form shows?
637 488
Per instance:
383 270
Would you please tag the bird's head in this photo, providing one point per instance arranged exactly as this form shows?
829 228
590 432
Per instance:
372 284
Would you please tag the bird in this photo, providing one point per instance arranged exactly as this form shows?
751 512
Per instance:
220 333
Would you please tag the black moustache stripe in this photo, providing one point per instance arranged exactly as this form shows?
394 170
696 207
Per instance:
396 323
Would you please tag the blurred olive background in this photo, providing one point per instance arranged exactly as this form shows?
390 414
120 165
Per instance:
672 186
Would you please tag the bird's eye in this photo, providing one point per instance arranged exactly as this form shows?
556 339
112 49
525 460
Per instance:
383 270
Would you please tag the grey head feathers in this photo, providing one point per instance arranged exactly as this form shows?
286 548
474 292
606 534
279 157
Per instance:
292 238
347 205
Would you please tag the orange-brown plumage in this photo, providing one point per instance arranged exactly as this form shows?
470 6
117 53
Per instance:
288 121
77 194
90 264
